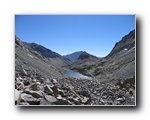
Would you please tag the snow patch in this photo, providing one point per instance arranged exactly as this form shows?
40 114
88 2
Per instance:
30 56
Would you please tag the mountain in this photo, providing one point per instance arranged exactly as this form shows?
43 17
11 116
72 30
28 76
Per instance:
43 51
87 56
83 62
28 61
73 56
119 64
126 43
49 54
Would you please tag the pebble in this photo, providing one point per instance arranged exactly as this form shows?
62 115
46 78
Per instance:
70 93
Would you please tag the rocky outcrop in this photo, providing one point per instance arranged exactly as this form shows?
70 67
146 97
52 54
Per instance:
119 64
83 62
70 92
126 43
49 54
88 56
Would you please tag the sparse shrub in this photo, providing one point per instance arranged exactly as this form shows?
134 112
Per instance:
127 84
90 67
98 71
80 70
101 63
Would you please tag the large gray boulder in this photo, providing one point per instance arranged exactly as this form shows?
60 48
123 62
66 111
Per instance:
35 94
45 102
28 98
48 100
47 89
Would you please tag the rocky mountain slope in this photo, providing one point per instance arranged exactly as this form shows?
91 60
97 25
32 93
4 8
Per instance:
41 81
73 56
29 60
119 64
85 59
127 43
49 54
83 62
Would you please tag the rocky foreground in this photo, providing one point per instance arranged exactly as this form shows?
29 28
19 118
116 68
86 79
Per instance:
34 89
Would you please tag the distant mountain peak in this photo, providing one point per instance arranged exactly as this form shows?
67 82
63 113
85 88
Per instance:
86 55
73 56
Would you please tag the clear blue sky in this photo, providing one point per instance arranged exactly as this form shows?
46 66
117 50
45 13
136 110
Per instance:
64 34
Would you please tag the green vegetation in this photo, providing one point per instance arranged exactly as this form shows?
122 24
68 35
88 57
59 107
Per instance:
101 63
98 71
80 70
90 67
84 69
128 84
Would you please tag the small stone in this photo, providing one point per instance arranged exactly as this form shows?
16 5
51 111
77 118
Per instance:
48 90
84 100
61 92
19 85
24 72
38 83
116 103
65 88
70 98
117 87
76 101
84 93
104 96
26 82
131 91
20 78
59 97
40 87
34 87
55 90
47 81
24 103
61 101
54 81
34 80
41 80
121 99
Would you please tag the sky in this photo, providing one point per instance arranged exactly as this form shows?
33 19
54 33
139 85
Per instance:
65 34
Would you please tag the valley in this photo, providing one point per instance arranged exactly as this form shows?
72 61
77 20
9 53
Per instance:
44 77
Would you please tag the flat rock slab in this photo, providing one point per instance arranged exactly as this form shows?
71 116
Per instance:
35 94
28 98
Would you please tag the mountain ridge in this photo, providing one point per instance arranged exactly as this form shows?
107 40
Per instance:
73 56
127 42
49 54
86 55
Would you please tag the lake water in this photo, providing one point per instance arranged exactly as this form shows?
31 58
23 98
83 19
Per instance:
77 75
